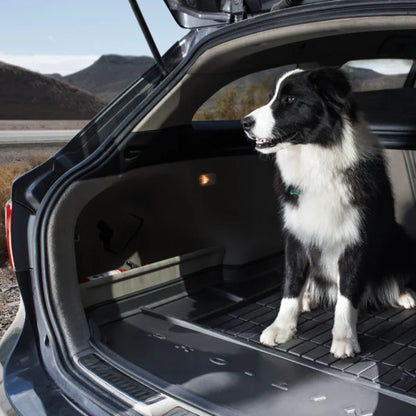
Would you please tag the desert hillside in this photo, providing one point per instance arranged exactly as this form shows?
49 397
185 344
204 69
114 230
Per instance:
29 95
109 75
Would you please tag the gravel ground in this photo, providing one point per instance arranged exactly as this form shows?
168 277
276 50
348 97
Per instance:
9 297
42 124
14 154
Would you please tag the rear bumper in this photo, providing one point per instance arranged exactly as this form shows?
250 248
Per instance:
25 387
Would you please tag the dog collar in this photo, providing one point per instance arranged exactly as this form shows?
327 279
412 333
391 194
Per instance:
294 191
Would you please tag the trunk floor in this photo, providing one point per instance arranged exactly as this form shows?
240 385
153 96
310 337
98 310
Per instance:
387 337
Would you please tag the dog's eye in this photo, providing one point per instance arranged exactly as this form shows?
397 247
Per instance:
289 99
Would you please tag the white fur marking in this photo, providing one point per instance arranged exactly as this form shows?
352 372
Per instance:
324 216
263 116
284 326
344 333
280 80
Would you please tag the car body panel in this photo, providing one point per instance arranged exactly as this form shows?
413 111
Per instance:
41 367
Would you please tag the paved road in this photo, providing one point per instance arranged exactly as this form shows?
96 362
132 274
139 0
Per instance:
39 137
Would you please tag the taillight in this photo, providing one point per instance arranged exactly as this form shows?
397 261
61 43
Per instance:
8 218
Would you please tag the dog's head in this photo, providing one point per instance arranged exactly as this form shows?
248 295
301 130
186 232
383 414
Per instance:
306 107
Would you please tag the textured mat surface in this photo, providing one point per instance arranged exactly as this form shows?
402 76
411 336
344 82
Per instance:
387 339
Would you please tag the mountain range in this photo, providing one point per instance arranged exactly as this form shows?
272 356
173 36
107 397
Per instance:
109 75
28 95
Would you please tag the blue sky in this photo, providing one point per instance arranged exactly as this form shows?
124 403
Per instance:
66 35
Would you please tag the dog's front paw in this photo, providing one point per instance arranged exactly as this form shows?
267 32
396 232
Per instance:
274 335
345 347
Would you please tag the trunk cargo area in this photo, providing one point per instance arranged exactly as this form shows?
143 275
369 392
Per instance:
198 338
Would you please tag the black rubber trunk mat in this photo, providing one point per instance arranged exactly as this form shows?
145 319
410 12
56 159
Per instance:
226 372
196 360
181 334
387 339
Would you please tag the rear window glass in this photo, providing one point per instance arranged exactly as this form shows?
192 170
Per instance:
377 74
240 97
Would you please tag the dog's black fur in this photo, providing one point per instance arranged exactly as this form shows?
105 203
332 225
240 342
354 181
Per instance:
314 111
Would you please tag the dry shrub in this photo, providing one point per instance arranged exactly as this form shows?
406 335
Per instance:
234 102
8 173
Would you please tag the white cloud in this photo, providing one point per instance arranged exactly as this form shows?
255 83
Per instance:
50 64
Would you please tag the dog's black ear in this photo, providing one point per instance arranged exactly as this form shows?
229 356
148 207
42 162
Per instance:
333 86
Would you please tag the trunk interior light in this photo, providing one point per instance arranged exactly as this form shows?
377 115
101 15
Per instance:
8 219
207 179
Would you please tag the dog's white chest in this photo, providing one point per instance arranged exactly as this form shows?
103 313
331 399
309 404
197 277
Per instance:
322 220
323 215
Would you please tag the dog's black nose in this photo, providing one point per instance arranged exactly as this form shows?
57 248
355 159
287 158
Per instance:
247 122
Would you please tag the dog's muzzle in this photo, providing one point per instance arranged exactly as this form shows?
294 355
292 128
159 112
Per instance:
248 124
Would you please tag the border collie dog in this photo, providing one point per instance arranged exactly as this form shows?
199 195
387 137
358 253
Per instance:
342 243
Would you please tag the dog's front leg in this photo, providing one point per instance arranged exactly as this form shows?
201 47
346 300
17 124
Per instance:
284 326
344 333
